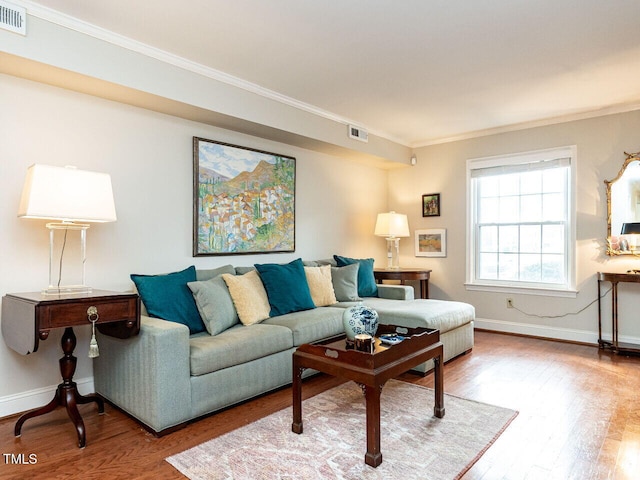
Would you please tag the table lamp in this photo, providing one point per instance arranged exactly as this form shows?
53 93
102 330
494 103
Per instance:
393 226
67 195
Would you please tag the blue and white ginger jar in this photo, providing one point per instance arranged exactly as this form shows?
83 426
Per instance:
360 319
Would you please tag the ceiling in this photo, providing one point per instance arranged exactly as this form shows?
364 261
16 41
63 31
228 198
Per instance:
414 71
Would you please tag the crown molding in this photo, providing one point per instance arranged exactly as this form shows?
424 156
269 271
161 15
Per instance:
601 112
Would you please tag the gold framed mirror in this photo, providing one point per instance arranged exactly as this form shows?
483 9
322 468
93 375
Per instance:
623 208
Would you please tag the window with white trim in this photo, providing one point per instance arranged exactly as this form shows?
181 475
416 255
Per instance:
521 225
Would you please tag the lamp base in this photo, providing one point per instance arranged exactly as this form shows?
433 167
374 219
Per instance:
393 253
67 290
67 256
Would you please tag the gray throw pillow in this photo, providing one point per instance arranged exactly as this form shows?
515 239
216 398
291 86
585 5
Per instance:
243 270
214 304
204 275
345 282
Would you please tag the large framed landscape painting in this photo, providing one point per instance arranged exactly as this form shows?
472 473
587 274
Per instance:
244 200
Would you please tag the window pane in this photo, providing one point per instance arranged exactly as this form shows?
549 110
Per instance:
508 266
530 238
509 209
553 239
554 180
488 266
531 208
531 182
488 210
530 268
553 207
489 186
553 269
488 239
508 239
509 184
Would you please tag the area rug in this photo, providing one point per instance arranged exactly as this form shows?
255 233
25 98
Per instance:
415 445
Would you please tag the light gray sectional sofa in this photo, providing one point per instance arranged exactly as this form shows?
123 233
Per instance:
167 376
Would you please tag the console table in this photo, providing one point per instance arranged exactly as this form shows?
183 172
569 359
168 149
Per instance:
614 344
28 318
405 274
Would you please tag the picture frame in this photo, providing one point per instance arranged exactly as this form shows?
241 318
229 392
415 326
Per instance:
431 205
243 200
431 242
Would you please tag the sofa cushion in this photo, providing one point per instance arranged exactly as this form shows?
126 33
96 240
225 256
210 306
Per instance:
286 286
204 275
311 325
367 286
214 304
345 282
237 345
444 315
168 297
249 296
320 285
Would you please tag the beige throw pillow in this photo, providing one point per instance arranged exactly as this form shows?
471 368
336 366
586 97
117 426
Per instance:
319 280
249 297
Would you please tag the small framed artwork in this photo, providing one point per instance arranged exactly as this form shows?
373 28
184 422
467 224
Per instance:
431 205
431 243
243 200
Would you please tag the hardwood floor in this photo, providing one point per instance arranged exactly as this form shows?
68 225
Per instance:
579 418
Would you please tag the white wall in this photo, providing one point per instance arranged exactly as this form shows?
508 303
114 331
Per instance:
441 168
149 157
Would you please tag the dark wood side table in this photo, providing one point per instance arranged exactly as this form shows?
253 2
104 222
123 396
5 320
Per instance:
28 318
614 344
405 274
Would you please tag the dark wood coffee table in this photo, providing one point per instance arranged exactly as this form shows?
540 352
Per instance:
371 371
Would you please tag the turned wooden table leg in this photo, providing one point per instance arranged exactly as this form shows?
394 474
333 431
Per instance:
67 394
296 425
438 409
373 457
49 407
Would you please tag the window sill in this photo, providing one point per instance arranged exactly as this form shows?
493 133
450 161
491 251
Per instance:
546 292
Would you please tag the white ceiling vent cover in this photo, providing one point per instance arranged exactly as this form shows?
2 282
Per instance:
358 133
13 18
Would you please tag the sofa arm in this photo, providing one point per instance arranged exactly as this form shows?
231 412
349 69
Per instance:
147 376
396 292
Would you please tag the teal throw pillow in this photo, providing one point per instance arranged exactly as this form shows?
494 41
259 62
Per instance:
366 281
286 286
168 297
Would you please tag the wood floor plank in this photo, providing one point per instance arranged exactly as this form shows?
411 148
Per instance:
579 417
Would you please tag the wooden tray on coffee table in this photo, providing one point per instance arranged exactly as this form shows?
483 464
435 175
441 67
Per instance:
336 357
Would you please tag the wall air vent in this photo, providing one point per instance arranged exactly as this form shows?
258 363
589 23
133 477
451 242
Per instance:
13 18
358 133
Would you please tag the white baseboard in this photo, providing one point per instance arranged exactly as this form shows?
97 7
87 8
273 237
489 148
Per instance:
543 331
24 401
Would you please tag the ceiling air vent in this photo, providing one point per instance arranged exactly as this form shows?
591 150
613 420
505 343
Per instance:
358 133
13 18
